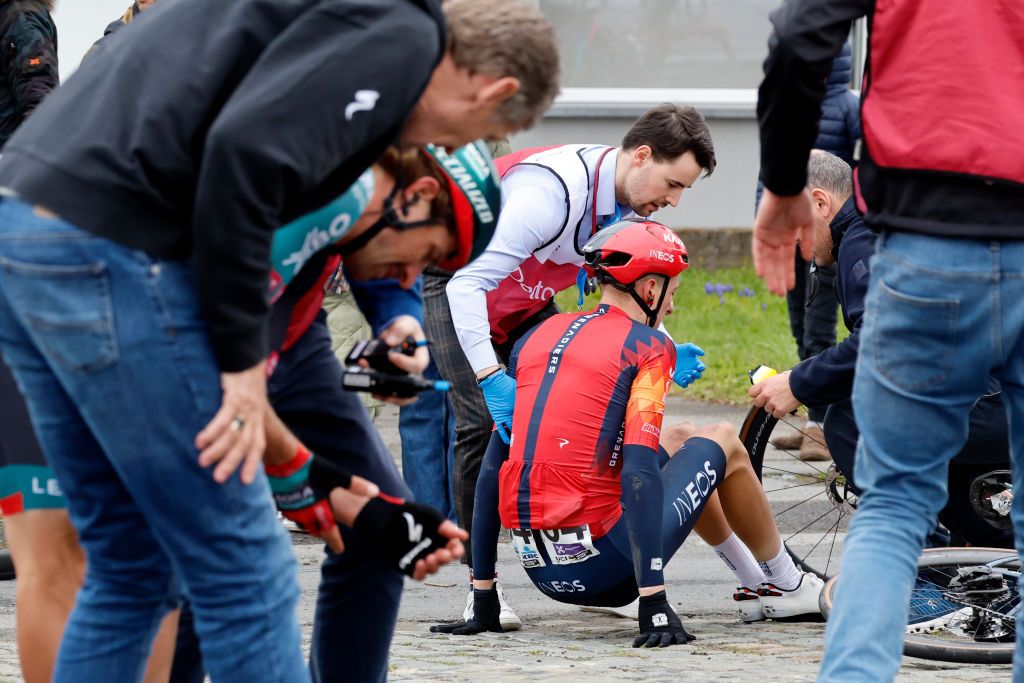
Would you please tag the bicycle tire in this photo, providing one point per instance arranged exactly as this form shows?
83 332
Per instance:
927 646
755 432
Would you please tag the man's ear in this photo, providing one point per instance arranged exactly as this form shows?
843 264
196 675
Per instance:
426 187
497 91
640 155
822 202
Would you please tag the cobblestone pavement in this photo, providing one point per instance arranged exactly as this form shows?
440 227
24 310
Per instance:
560 642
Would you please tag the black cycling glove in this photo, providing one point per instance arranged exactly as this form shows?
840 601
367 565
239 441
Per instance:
659 625
325 476
400 532
486 610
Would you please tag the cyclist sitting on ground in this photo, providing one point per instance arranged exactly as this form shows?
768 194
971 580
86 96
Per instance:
596 503
827 378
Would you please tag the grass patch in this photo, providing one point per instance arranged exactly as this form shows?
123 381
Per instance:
738 323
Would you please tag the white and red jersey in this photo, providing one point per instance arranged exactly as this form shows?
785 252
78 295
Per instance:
548 213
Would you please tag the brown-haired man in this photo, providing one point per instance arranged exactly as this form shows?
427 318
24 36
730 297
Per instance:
554 200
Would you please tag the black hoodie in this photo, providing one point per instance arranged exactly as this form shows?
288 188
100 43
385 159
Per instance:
208 125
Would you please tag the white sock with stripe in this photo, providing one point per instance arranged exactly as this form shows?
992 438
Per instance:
740 560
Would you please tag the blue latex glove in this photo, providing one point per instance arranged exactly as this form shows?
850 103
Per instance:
688 367
500 393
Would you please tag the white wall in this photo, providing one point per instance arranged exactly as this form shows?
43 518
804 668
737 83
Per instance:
80 23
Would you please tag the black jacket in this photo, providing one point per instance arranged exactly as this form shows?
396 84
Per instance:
914 197
828 377
28 60
209 124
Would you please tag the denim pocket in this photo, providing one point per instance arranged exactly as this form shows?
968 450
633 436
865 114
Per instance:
914 339
68 311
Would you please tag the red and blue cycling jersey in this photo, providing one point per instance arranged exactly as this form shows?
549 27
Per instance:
587 385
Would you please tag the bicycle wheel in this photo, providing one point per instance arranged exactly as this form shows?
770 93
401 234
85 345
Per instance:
946 626
810 500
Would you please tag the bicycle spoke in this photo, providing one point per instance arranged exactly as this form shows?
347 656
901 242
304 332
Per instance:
832 547
815 546
801 503
827 512
794 486
796 457
795 474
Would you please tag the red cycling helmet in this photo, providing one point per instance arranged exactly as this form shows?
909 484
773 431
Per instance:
627 251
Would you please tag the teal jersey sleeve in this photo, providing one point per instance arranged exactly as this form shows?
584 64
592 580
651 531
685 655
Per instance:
295 243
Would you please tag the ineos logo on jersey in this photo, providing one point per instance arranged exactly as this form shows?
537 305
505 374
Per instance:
365 100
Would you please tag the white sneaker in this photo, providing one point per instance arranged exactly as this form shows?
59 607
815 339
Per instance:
803 599
748 604
630 611
509 620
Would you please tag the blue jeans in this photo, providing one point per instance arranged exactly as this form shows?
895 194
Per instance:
357 604
941 316
111 353
427 428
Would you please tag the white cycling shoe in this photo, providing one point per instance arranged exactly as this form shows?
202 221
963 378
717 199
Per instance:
509 620
803 599
748 604
630 611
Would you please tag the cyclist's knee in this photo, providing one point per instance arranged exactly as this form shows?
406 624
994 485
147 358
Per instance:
722 433
675 435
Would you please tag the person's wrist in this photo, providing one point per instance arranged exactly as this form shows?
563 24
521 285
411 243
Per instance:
289 467
487 372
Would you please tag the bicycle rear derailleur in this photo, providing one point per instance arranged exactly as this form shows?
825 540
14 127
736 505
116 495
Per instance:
982 589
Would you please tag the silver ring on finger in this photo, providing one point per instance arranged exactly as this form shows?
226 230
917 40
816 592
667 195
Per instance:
237 423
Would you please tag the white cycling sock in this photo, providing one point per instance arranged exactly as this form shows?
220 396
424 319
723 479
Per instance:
781 571
740 560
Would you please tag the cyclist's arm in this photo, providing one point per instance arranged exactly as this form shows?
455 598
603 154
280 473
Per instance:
828 377
486 523
642 491
381 301
531 216
807 35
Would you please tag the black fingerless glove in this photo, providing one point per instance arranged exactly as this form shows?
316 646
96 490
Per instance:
324 476
400 532
486 613
659 625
